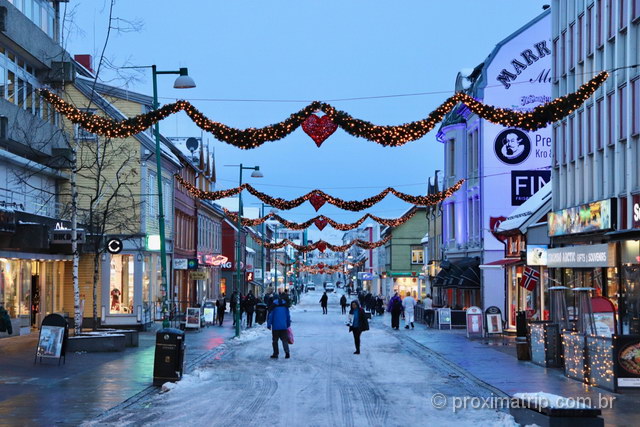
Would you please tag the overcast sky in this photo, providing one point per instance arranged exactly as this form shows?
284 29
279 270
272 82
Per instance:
305 50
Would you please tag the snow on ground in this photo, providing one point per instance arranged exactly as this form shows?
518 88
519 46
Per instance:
323 384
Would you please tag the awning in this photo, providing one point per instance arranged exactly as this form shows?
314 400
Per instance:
501 263
459 274
440 278
470 278
249 250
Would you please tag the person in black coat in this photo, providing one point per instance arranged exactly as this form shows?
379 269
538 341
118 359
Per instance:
343 304
324 300
358 323
249 307
221 306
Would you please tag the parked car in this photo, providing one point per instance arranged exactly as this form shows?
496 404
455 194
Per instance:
329 287
310 286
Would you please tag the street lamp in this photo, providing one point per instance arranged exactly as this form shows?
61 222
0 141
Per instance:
262 231
182 82
255 174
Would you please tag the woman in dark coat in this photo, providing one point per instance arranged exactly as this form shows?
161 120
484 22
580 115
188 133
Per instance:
395 307
358 323
324 299
343 304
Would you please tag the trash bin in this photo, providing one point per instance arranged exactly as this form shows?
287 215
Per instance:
261 313
522 343
169 357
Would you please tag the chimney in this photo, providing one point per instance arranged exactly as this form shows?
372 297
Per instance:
85 60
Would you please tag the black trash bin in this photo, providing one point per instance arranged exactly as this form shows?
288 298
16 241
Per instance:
261 313
522 343
169 358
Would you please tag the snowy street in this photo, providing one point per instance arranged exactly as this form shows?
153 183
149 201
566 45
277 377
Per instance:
391 383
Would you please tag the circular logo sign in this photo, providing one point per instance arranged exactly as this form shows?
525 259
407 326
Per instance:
114 246
512 146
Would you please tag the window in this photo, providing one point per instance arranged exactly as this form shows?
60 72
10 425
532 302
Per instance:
622 112
580 37
610 119
563 53
579 133
622 14
572 35
590 128
152 196
417 256
635 105
610 19
635 4
599 124
599 23
555 144
121 284
571 139
589 40
11 85
563 136
451 161
556 70
452 221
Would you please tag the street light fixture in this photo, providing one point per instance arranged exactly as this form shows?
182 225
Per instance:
182 82
255 174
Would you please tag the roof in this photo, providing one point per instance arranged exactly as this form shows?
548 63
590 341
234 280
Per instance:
501 263
530 212
116 92
85 86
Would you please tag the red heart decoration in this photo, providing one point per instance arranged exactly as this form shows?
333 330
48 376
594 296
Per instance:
317 200
322 246
321 271
319 128
321 265
321 223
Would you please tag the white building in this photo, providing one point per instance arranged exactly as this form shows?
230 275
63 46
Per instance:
596 183
503 167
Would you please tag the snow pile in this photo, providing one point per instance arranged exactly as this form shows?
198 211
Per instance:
548 400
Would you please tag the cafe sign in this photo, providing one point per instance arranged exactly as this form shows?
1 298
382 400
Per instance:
636 211
586 256
590 217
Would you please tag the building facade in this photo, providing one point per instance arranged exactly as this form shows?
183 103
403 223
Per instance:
596 182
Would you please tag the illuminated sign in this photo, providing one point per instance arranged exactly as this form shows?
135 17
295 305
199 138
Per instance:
153 242
584 256
537 254
585 218
636 211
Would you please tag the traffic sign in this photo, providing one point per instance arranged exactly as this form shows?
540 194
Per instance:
114 246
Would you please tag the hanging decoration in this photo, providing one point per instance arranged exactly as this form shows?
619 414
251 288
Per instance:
322 221
334 268
321 245
321 128
318 197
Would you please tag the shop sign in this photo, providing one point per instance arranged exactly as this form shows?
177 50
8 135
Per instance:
474 322
365 276
537 254
179 263
636 211
585 218
586 256
62 236
198 275
152 242
626 360
525 184
257 273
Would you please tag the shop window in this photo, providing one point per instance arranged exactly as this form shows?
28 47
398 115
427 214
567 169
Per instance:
417 256
121 284
613 285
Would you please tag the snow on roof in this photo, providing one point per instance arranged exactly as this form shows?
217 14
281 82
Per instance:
528 209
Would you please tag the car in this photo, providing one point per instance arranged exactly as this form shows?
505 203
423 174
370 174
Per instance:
329 287
310 286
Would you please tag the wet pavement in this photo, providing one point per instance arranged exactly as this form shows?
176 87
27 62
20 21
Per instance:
496 365
88 384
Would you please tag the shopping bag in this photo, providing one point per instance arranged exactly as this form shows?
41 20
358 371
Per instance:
290 336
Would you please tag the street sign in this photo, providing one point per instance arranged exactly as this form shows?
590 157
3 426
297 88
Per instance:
114 246
179 263
257 273
192 264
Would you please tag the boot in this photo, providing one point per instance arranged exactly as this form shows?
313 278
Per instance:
406 327
274 356
412 325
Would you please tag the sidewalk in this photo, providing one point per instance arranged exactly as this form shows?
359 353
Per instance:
89 383
497 366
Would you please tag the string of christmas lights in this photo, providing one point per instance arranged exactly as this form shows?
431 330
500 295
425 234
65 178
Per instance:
321 245
321 221
390 136
318 197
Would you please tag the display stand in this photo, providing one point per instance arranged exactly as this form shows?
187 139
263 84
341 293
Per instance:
209 312
494 323
192 320
52 340
444 317
474 322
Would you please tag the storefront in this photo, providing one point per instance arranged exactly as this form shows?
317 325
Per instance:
457 285
629 299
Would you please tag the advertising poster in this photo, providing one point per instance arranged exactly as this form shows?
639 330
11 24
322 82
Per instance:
208 314
50 341
474 322
193 318
626 353
444 317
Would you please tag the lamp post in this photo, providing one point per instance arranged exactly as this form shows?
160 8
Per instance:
255 174
182 82
262 231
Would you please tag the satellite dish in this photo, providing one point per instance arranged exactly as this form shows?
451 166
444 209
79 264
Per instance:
192 144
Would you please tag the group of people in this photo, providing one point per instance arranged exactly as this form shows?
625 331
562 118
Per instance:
248 305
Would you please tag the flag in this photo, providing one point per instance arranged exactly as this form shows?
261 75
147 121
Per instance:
530 279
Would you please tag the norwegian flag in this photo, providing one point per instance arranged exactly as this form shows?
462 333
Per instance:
530 279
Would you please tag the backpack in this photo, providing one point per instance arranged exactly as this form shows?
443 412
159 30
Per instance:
397 305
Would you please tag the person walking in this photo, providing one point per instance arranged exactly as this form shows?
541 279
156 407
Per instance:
379 305
232 306
249 307
428 310
221 306
395 308
408 306
358 323
279 320
343 304
324 299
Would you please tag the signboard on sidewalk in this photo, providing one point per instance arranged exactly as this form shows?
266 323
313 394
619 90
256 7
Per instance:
193 318
626 360
474 322
444 317
494 320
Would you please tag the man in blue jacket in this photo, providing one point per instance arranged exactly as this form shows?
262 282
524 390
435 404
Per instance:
279 321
